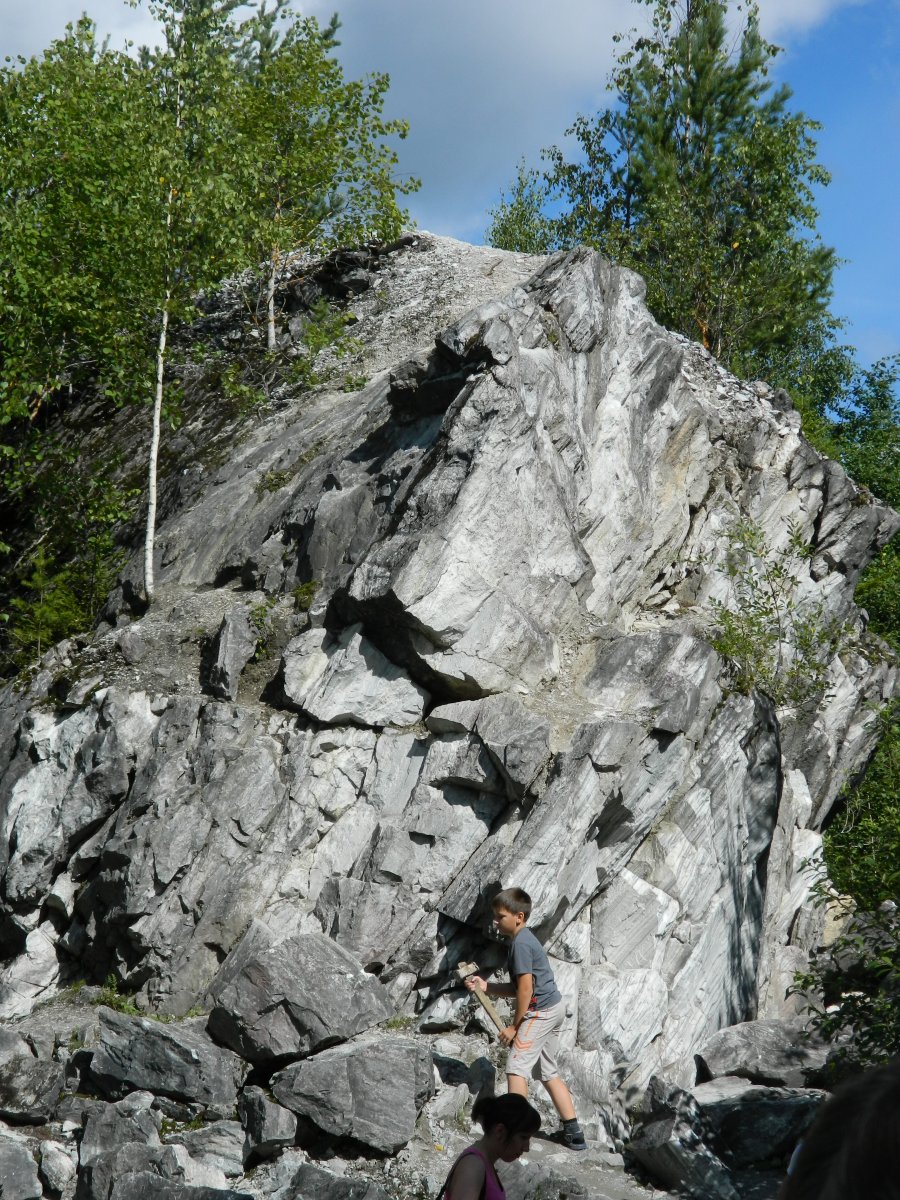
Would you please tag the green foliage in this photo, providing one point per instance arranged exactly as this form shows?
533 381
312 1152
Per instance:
399 1022
852 988
131 183
111 997
65 559
238 385
272 481
862 426
866 423
353 383
771 641
254 379
45 611
519 221
862 843
700 178
326 329
305 594
74 126
316 168
260 617
878 592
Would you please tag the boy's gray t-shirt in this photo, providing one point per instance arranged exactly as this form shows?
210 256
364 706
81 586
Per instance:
528 957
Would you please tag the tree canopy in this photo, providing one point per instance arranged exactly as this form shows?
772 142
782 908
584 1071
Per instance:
132 181
699 177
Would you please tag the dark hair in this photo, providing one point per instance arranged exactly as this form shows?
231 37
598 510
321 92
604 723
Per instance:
514 900
852 1149
511 1110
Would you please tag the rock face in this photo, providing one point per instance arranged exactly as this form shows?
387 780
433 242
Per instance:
231 651
764 1052
508 541
277 1001
371 1092
178 1061
348 680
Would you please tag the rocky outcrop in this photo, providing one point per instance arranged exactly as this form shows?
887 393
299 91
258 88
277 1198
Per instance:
178 1061
371 1092
779 1053
508 543
230 652
280 1001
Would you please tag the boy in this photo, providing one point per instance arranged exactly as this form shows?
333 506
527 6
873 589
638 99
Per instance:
533 1036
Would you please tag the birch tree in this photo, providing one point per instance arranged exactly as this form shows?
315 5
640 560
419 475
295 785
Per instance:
198 227
322 166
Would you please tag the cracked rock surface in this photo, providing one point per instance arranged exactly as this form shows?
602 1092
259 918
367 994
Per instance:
508 541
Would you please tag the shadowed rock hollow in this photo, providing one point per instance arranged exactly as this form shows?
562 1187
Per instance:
512 533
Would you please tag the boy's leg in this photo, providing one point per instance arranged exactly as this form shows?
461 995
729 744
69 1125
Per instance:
561 1098
517 1085
548 1073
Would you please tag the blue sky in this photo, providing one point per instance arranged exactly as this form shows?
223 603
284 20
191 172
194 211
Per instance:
487 82
846 74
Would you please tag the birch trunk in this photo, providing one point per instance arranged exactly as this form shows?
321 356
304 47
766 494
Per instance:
150 537
270 303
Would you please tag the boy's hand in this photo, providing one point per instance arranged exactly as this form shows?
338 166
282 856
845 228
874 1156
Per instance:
508 1035
475 982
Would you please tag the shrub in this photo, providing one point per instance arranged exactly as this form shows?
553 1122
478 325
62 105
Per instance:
771 641
852 987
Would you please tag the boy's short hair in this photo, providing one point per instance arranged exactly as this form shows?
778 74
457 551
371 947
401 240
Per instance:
513 900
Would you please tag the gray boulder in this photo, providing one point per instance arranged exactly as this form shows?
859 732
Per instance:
517 739
124 1170
232 648
269 1128
147 1185
119 1163
370 1092
678 1159
273 1000
348 679
772 1052
30 1089
753 1125
314 1183
57 1169
219 1145
13 1045
180 1061
108 1126
18 1172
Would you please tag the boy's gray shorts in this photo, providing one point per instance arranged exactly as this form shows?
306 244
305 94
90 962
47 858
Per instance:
537 1041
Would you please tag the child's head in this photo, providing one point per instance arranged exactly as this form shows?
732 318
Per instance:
512 908
509 1121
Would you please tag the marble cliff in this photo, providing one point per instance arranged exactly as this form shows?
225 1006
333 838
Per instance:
420 638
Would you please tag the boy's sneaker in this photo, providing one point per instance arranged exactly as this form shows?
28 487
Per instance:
572 1137
574 1141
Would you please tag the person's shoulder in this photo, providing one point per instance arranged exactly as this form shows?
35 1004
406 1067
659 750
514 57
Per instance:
525 943
470 1165
530 938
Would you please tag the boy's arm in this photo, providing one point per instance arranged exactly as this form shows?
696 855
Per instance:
490 989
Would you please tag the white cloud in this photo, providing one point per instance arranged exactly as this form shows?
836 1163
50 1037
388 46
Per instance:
781 18
483 83
28 28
